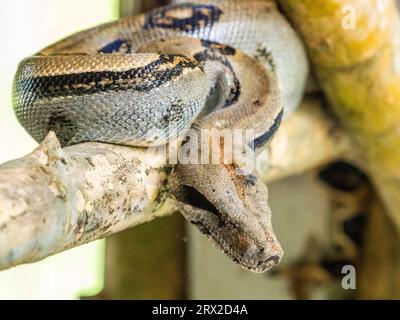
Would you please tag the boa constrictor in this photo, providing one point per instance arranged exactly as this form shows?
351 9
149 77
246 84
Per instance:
141 80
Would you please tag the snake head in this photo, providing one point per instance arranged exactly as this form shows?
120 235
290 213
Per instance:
231 209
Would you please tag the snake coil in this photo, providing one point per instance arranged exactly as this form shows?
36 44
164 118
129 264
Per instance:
141 80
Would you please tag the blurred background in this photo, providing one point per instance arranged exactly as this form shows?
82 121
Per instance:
321 217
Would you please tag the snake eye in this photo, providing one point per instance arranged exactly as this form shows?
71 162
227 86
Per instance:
191 196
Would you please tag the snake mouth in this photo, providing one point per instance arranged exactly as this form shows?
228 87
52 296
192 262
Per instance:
274 259
260 266
266 264
252 264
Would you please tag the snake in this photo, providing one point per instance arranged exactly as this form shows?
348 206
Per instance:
142 80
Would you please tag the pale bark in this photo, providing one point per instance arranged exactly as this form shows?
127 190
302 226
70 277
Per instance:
55 199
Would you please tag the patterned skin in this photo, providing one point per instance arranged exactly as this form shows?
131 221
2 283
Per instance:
143 80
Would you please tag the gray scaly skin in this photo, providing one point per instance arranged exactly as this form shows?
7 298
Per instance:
141 80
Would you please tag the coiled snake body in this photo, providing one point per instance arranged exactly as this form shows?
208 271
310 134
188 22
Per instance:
141 80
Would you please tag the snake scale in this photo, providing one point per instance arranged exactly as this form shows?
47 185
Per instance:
141 80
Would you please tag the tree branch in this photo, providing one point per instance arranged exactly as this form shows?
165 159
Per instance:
55 199
354 48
